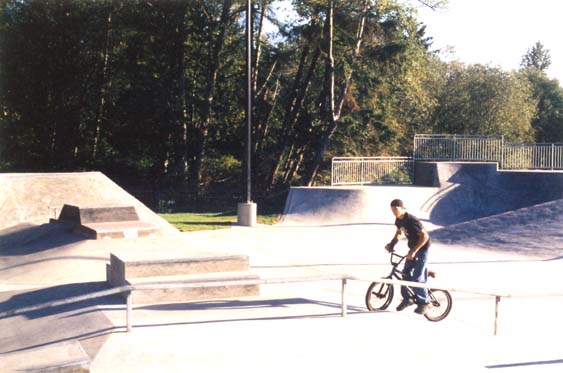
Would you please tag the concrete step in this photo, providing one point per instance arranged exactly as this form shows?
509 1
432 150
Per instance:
87 215
106 222
122 229
125 268
180 294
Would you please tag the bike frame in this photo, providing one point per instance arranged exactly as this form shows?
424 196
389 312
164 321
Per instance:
398 274
395 271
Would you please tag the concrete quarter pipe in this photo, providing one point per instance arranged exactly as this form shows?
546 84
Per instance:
445 193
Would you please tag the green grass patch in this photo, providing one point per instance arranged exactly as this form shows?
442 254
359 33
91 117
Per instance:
190 222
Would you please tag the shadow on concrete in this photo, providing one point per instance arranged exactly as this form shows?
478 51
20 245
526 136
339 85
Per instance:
248 304
240 304
527 363
25 239
15 300
294 317
82 321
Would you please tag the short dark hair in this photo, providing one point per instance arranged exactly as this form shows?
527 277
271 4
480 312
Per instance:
397 203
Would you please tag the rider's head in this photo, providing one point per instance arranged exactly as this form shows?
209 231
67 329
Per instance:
398 208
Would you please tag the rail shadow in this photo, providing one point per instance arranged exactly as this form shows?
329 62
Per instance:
15 300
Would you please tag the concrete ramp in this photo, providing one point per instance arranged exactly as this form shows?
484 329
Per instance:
445 193
471 191
532 231
352 205
37 197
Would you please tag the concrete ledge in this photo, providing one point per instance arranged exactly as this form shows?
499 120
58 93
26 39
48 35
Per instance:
106 222
121 270
203 292
86 215
219 269
123 229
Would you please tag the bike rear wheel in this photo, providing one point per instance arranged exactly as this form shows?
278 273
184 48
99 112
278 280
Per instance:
379 296
440 305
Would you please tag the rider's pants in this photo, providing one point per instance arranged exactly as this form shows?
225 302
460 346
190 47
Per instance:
415 270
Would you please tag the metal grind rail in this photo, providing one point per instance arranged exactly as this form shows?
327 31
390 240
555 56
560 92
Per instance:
129 289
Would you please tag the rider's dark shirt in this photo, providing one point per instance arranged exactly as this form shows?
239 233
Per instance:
411 226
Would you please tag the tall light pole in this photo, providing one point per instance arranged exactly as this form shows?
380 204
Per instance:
246 211
248 98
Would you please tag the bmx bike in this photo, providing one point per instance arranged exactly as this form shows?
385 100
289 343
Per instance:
379 295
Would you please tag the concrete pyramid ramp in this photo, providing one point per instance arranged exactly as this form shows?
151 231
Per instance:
37 197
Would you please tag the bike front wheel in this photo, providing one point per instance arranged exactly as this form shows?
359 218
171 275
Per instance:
379 296
440 305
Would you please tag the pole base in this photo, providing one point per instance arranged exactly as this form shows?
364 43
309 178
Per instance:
246 214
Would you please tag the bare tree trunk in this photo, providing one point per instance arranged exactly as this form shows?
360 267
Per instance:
209 94
335 109
262 129
263 8
105 82
299 92
181 128
294 163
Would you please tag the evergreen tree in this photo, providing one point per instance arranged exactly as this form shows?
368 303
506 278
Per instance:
537 57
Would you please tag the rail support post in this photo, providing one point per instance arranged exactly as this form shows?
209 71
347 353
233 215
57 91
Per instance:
129 311
497 303
344 305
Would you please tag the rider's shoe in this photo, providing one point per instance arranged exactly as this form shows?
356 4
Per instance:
421 309
404 304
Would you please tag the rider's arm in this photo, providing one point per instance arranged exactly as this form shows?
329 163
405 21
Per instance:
422 239
389 247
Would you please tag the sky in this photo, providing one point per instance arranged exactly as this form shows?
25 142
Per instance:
497 32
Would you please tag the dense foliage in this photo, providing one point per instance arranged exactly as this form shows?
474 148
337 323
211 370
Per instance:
153 92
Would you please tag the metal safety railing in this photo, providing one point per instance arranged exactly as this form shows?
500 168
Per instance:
458 147
477 148
371 170
533 156
129 289
453 148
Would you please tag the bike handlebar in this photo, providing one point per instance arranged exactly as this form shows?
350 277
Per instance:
394 254
401 258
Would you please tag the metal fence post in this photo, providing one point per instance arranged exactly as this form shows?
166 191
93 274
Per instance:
552 156
497 303
332 172
344 305
129 311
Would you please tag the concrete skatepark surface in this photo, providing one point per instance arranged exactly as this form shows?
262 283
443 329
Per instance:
293 327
